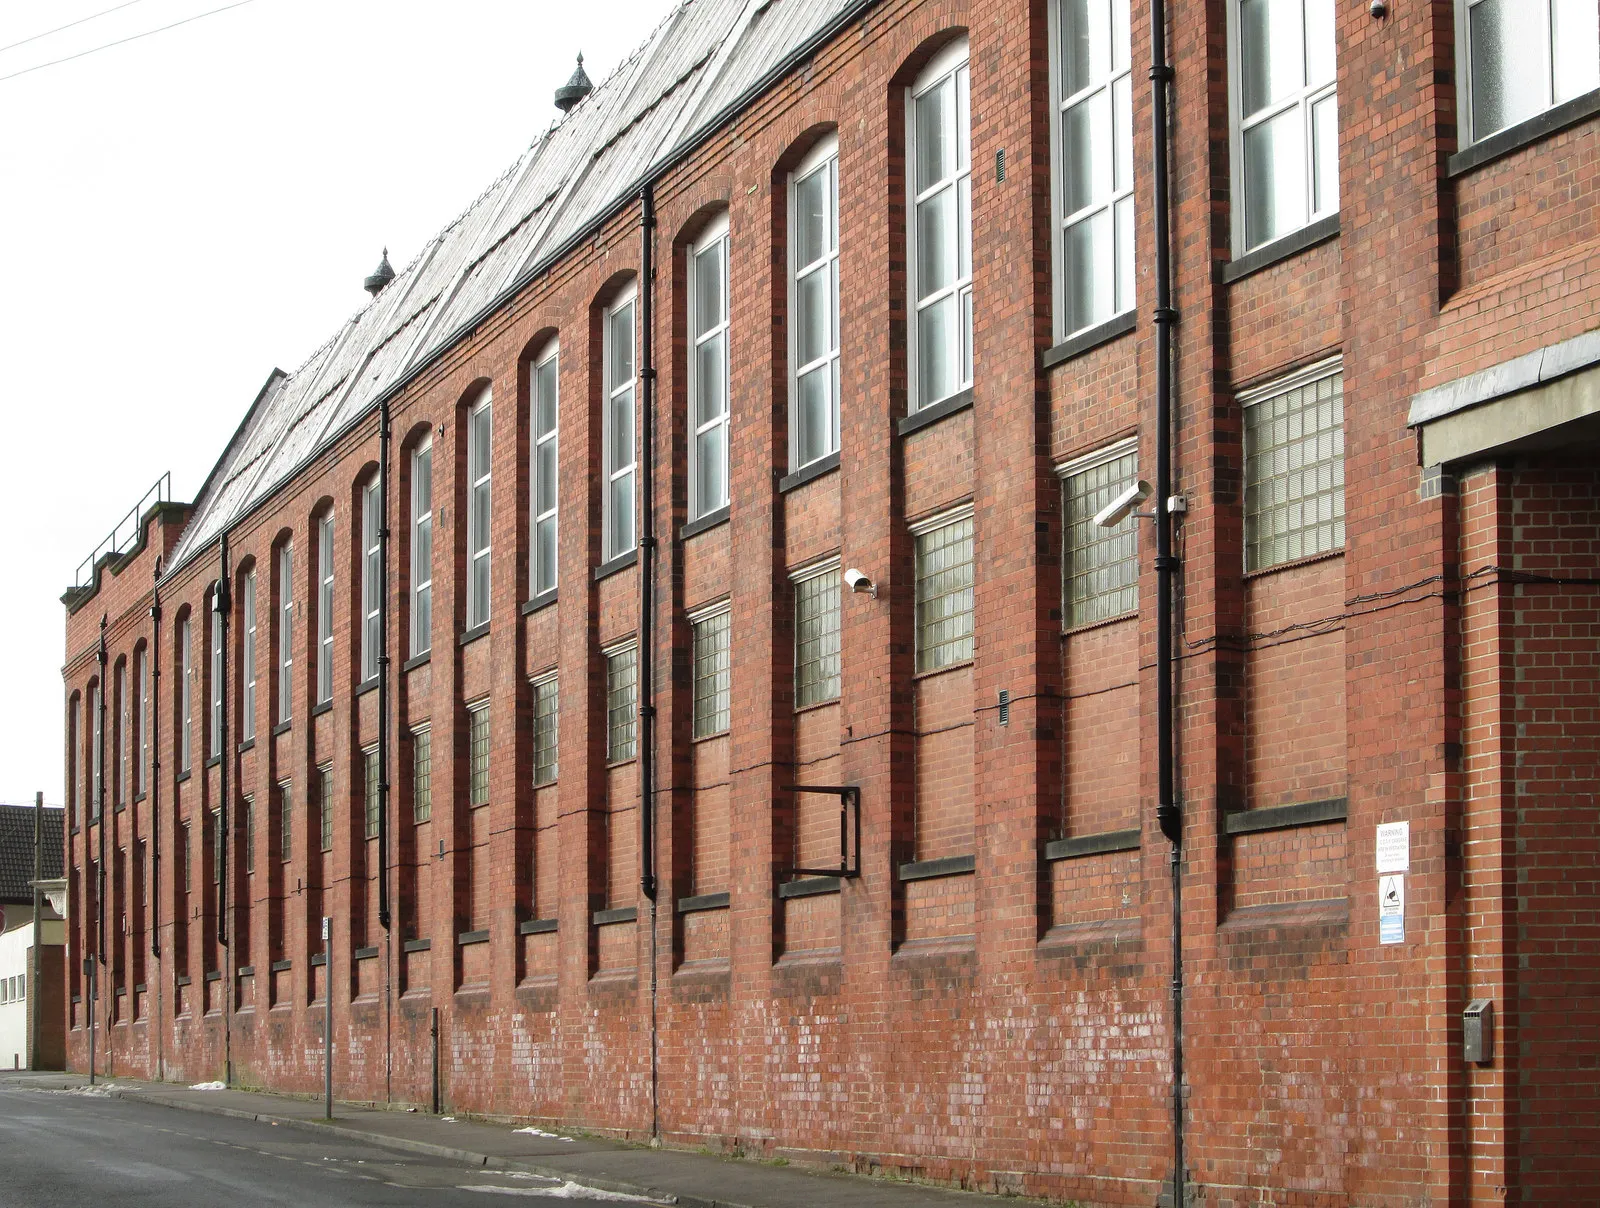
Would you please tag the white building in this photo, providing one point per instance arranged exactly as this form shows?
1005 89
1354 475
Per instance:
24 991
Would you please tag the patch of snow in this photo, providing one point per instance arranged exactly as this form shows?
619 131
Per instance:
209 1086
539 1132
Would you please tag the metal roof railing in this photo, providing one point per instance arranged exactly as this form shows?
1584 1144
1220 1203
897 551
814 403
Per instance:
126 534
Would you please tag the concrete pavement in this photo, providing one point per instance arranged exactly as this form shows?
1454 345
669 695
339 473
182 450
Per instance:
691 1180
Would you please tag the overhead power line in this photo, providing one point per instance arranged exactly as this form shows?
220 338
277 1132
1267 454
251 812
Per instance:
105 12
121 41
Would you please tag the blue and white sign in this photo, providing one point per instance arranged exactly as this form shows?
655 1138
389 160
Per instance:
1392 909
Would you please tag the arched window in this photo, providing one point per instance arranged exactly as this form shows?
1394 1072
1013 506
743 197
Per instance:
814 305
619 380
422 548
480 433
708 370
939 231
371 580
544 403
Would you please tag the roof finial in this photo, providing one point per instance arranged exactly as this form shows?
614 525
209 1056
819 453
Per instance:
380 277
575 89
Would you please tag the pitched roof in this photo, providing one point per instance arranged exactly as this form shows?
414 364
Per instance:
16 850
696 69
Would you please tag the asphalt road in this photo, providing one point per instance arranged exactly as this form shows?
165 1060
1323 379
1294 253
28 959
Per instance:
88 1150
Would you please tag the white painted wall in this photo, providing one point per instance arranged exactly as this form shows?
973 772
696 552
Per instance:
15 943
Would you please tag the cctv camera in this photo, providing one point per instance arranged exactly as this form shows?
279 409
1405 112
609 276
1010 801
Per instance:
1120 508
856 581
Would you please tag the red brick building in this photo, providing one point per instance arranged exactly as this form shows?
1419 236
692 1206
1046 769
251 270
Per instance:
748 434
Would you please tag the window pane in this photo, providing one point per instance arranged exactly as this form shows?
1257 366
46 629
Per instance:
1101 566
423 620
709 382
944 595
1274 177
1122 115
1294 473
813 415
1120 37
816 639
422 483
812 237
1320 65
935 145
935 264
1508 65
422 776
480 591
1089 267
1576 39
545 474
622 514
708 300
1085 44
423 554
1125 254
936 363
622 429
813 301
1325 155
1270 43
546 387
480 517
712 674
711 469
621 367
480 441
546 552
966 336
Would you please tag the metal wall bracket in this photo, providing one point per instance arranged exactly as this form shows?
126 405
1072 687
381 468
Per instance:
849 802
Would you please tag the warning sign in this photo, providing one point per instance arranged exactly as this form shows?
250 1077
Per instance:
1392 909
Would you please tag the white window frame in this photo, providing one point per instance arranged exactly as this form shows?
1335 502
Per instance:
141 673
1112 153
613 546
950 63
1528 10
96 748
703 330
371 584
247 723
823 158
124 711
480 472
698 617
543 577
186 697
325 588
286 632
1305 101
217 654
422 534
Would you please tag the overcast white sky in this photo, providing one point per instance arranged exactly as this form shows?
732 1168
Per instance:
181 213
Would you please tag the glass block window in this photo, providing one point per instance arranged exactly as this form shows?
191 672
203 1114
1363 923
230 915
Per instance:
371 783
1100 566
944 593
1294 468
713 663
1521 57
1286 121
325 798
816 636
546 729
216 847
478 753
247 832
421 774
185 856
285 821
622 686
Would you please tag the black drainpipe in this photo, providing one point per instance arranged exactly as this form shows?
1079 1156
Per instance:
222 602
97 981
153 719
647 552
383 740
1168 813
